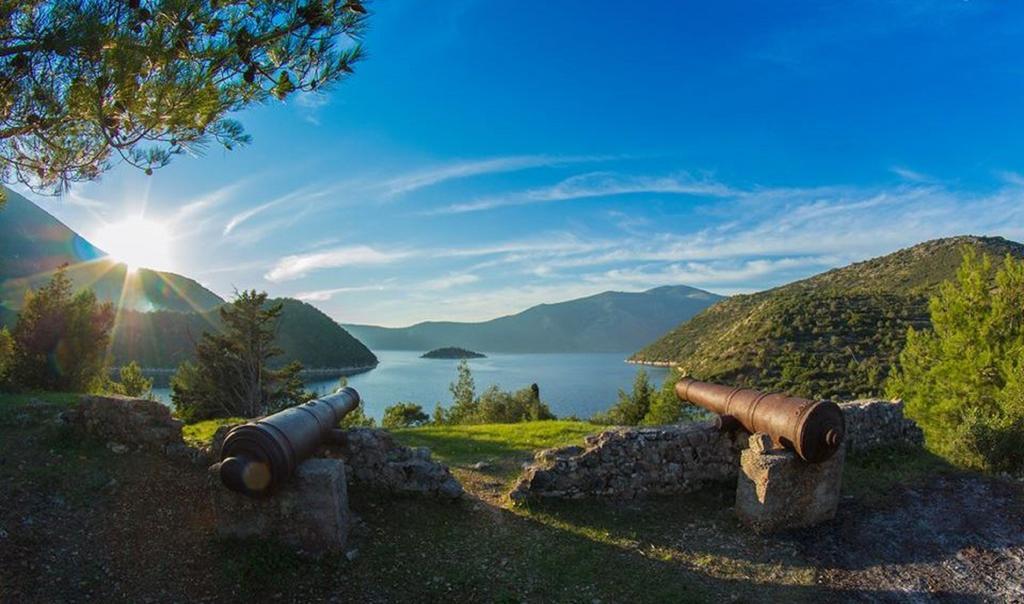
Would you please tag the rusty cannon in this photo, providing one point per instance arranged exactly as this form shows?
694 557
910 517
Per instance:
259 456
812 429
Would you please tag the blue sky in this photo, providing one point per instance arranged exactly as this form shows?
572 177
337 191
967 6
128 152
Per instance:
488 156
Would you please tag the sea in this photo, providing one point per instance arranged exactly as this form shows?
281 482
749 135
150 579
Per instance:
579 384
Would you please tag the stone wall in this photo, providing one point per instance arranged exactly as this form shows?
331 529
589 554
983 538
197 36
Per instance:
872 423
376 461
635 462
126 423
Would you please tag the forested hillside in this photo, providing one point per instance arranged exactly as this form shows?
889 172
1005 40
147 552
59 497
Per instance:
165 338
833 335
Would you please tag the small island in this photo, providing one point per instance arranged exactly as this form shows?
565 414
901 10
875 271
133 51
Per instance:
452 352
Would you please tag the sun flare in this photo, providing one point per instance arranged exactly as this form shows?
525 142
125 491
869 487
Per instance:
137 242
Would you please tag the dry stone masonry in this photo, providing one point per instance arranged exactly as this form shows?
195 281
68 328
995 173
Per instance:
635 462
125 422
376 461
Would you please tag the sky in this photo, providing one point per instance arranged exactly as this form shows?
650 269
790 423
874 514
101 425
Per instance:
489 156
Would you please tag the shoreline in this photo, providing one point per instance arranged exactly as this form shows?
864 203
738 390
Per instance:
324 372
666 364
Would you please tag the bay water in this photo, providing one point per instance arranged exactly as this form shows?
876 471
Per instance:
579 384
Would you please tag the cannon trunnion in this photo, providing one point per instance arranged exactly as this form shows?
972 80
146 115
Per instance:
258 456
814 430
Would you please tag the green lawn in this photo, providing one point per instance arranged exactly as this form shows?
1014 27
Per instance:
201 433
12 399
495 442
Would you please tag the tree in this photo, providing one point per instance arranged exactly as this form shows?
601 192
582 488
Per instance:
82 81
402 415
61 339
632 407
666 408
6 354
132 382
463 391
232 376
961 380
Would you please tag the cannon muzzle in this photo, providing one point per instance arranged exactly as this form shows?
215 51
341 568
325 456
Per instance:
812 429
259 456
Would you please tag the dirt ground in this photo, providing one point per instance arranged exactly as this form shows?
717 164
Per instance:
79 522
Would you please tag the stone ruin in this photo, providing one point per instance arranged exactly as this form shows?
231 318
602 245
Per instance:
373 458
628 463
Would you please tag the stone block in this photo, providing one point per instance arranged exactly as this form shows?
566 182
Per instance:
777 490
310 512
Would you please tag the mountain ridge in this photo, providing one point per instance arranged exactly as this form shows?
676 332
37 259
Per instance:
34 244
605 322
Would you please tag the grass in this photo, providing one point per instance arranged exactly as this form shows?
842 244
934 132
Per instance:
495 442
874 476
201 433
17 399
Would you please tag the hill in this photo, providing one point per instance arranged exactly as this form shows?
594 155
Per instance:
160 314
605 322
33 244
832 335
163 339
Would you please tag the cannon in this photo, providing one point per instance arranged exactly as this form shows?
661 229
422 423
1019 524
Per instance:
259 456
811 429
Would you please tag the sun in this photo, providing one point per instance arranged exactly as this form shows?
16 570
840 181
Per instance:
137 242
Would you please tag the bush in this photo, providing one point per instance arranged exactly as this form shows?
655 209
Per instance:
404 415
963 380
494 406
6 354
632 407
132 382
357 418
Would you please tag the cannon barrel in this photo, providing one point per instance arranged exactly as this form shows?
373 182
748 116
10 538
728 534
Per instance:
812 429
259 456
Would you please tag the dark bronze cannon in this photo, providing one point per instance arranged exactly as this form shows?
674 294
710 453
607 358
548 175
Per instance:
259 456
812 429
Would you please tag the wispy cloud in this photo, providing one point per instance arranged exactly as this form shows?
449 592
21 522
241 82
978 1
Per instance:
911 175
419 179
322 295
596 184
449 281
293 267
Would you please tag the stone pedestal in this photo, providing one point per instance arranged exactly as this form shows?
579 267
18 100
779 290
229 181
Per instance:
777 490
309 513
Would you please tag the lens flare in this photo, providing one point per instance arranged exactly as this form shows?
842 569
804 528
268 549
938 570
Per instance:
137 242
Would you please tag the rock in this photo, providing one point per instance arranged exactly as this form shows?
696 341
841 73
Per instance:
127 421
481 465
778 491
117 448
380 463
310 512
352 554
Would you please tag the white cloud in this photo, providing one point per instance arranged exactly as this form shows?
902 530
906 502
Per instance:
293 267
911 175
595 184
448 282
412 181
323 295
